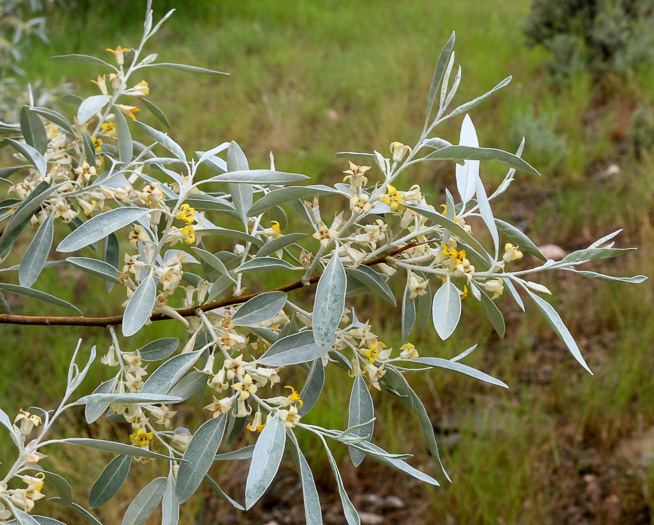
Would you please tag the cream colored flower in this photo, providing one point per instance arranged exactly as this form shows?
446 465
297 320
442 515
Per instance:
511 253
290 417
399 151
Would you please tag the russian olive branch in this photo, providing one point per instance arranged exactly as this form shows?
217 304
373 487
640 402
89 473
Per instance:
191 311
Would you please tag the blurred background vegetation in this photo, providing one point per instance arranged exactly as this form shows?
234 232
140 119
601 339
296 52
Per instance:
311 78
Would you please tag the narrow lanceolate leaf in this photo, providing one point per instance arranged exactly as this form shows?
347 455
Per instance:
33 130
487 213
261 308
139 397
329 303
361 411
591 254
164 140
187 68
170 504
446 310
263 264
38 295
154 109
24 518
242 194
140 306
474 103
159 349
285 195
266 459
455 366
31 154
462 153
281 242
62 487
351 514
372 280
164 378
220 492
56 118
37 254
637 279
312 511
494 315
258 177
468 173
91 106
292 350
199 455
82 59
109 481
438 75
114 447
93 412
236 455
143 505
5 421
554 320
125 144
312 387
408 315
95 267
99 227
519 238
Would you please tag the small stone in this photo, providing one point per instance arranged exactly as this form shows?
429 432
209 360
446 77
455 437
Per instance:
552 251
368 518
393 502
613 170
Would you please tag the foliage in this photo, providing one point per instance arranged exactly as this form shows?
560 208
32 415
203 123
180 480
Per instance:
92 175
605 36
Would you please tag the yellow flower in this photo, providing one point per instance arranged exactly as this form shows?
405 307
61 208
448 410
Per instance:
392 197
274 232
290 417
141 438
511 253
356 175
119 54
109 128
408 351
257 424
293 398
102 84
186 214
189 231
245 387
97 144
128 110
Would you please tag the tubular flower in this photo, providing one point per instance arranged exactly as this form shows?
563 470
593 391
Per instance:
221 406
392 197
109 128
245 387
119 53
189 231
290 417
27 422
97 144
511 253
293 398
417 286
356 175
494 286
408 351
274 232
359 203
186 214
138 235
85 170
128 110
141 438
234 367
399 151
257 424
324 234
102 84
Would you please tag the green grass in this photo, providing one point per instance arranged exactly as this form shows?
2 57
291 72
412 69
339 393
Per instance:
311 78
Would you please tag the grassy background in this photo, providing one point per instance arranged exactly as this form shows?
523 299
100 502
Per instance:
311 78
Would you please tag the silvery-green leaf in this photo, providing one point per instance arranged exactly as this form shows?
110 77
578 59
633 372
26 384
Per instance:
455 366
351 514
453 227
446 310
519 238
211 260
154 109
312 387
82 59
143 505
468 173
164 140
89 149
263 264
91 106
170 504
259 309
372 280
408 315
221 494
514 293
201 201
140 306
446 81
164 378
329 303
31 154
125 145
6 172
281 242
5 421
554 320
438 75
159 349
242 194
22 215
494 315
204 155
98 227
284 195
591 254
241 453
111 254
474 103
463 153
79 510
109 481
395 383
599 242
33 130
487 213
232 234
114 447
199 455
361 411
312 511
40 520
95 267
37 254
593 275
266 459
62 487
93 412
423 307
39 296
354 154
292 350
139 397
23 518
56 118
192 383
187 68
257 177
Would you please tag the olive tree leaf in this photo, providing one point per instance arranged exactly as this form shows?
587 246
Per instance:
140 306
164 378
170 504
351 514
438 75
261 308
95 267
220 492
329 303
37 254
31 154
292 350
125 144
91 106
186 68
109 481
98 227
164 140
115 447
257 177
199 455
143 505
38 295
446 310
312 510
312 387
408 314
361 411
519 238
33 130
159 349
